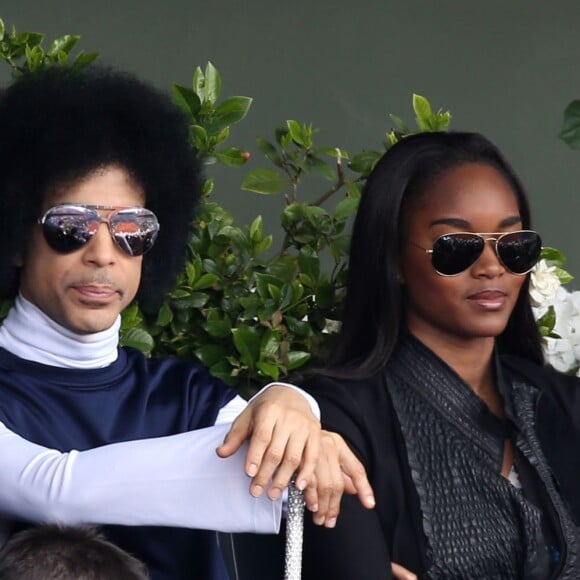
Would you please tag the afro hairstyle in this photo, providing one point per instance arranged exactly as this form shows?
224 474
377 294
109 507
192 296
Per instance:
59 125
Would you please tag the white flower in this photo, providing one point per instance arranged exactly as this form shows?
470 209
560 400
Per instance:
544 284
564 353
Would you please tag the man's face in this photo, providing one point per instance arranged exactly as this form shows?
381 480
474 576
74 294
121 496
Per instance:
85 290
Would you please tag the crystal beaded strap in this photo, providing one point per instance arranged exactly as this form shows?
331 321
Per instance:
294 534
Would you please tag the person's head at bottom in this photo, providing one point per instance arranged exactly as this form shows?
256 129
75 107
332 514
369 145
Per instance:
66 553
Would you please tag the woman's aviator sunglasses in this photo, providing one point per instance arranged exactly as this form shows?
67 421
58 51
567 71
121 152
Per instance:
68 227
454 253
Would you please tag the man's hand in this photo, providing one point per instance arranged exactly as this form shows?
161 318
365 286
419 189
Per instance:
284 438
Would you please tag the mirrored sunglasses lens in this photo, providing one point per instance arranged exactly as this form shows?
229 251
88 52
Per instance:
66 229
135 231
454 253
519 251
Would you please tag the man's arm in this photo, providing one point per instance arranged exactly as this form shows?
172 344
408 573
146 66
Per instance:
169 481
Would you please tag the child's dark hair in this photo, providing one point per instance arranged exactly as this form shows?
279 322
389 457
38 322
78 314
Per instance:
58 126
66 553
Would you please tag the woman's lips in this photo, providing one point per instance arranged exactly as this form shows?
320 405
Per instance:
488 299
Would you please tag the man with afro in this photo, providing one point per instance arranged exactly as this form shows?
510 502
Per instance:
98 188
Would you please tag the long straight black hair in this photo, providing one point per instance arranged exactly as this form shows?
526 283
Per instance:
373 313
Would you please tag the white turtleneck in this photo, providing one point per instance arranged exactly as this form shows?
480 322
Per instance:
30 334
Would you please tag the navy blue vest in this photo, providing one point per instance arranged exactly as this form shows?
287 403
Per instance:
133 398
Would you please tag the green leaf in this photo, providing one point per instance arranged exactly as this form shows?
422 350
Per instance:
364 162
292 213
269 151
205 281
553 256
256 229
210 354
547 322
263 281
309 263
299 327
192 300
286 296
346 208
198 84
297 359
270 370
139 339
264 181
186 100
247 343
218 328
199 139
32 38
334 152
228 112
232 157
570 131
299 134
327 171
2 29
83 59
213 83
564 276
263 245
270 343
400 125
283 268
165 315
423 112
64 43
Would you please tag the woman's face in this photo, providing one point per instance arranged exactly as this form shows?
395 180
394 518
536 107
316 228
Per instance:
478 302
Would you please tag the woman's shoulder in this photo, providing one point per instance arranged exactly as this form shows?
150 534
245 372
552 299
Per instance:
337 387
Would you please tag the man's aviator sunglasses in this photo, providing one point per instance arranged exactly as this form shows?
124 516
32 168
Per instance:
68 227
454 253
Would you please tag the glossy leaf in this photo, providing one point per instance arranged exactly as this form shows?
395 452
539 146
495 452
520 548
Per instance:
297 359
186 100
212 83
247 343
232 157
346 208
570 131
139 339
264 181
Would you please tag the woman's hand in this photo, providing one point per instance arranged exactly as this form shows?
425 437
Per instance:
338 471
400 573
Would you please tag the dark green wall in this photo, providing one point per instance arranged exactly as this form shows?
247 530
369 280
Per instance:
506 69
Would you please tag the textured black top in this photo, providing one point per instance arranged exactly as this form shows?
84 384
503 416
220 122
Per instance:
434 455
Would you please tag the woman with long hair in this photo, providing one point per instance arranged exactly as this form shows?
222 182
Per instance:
437 379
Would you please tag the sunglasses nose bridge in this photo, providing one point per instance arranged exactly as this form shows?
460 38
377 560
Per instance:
490 241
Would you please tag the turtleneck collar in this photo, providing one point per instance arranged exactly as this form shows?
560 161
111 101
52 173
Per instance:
30 334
